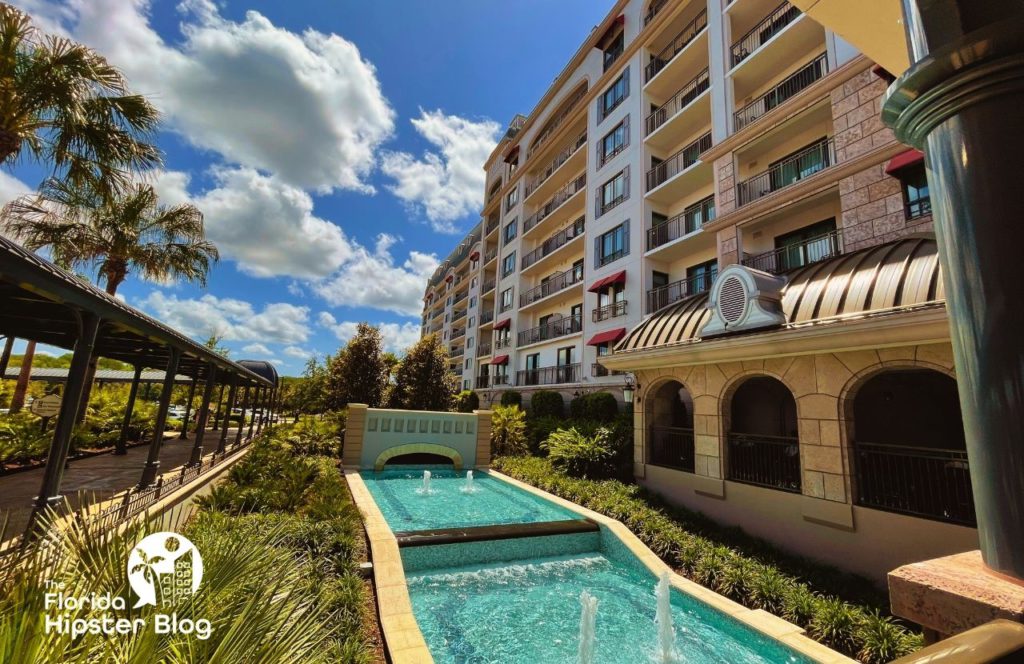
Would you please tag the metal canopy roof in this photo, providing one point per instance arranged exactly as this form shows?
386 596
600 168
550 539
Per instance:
41 302
58 375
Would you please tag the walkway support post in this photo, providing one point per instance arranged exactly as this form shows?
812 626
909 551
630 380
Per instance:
121 447
241 423
217 416
960 102
253 402
188 408
204 412
152 467
49 493
5 356
226 420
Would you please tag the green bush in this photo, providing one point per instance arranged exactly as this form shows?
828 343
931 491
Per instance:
508 430
583 454
840 610
547 403
537 431
511 398
597 406
467 401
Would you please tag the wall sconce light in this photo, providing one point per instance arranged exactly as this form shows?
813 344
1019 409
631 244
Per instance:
629 389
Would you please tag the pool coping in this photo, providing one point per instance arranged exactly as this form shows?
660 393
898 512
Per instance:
405 643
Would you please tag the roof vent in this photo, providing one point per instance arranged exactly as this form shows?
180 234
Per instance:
744 299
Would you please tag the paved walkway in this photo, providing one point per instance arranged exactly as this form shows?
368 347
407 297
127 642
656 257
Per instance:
96 478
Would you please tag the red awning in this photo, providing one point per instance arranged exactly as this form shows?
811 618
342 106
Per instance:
607 336
904 159
601 284
475 255
501 325
449 277
512 155
501 359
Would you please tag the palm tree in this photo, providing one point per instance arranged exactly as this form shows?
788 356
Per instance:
63 104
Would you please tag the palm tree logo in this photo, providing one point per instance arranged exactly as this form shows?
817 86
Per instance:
164 568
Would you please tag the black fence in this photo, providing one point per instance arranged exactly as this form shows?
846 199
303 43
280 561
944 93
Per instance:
564 373
768 461
811 250
671 447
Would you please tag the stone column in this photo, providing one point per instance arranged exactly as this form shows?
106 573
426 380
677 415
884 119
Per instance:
483 438
961 103
352 450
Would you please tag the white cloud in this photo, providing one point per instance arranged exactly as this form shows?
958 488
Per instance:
257 349
447 184
398 337
11 188
298 353
231 319
305 107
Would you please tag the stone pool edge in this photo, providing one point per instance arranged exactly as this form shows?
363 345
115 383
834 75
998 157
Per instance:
762 621
403 639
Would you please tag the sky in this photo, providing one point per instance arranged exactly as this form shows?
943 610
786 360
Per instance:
335 147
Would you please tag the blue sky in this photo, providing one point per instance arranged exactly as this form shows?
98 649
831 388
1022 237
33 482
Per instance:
335 147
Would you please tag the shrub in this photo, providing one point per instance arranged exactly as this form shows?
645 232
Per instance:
537 431
511 398
467 401
547 403
597 406
508 430
583 455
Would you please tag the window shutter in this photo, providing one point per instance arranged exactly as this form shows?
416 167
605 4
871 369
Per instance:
597 251
625 187
625 238
600 108
597 202
625 81
625 132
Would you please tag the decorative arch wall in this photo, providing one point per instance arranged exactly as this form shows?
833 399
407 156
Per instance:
418 448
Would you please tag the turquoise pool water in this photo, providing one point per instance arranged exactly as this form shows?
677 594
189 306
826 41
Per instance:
398 494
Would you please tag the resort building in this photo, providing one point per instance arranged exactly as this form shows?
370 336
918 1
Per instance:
685 139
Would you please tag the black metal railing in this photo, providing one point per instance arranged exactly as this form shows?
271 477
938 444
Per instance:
556 375
769 461
483 349
556 241
483 382
802 78
488 286
770 25
500 379
460 297
556 201
681 41
661 297
551 330
490 255
920 481
492 226
486 316
456 334
598 370
671 447
456 351
807 162
558 282
502 342
678 162
556 122
503 307
613 310
688 221
458 315
652 11
811 250
559 159
680 100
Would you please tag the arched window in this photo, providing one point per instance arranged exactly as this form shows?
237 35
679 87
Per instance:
670 430
763 445
908 446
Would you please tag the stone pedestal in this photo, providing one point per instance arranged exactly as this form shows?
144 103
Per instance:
950 595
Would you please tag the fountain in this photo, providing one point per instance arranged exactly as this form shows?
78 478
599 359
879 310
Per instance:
425 490
663 618
588 624
469 488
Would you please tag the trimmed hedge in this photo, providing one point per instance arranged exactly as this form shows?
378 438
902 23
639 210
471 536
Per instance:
547 403
511 398
467 401
597 406
840 610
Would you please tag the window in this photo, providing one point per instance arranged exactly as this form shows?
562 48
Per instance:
916 201
613 96
510 231
577 271
613 142
506 299
508 264
471 323
613 50
469 364
659 279
511 199
699 277
566 355
470 340
472 301
806 161
806 245
612 295
533 361
472 284
613 192
612 245
465 384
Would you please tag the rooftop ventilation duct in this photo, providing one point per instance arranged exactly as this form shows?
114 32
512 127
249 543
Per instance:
744 299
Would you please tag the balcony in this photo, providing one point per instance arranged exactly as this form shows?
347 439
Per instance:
760 34
553 243
486 316
500 379
455 351
483 382
555 202
556 375
553 125
813 71
690 220
460 297
768 461
790 257
671 447
680 174
677 45
457 334
492 226
807 162
502 343
653 10
536 183
490 255
554 329
608 311
680 101
483 350
458 315
598 370
661 297
558 282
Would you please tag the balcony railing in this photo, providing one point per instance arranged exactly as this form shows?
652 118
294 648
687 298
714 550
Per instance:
556 241
458 315
661 297
653 10
486 316
598 370
559 159
613 310
920 481
490 255
678 162
503 307
458 333
502 342
769 461
771 25
688 221
560 281
805 163
483 349
802 78
488 286
811 250
681 41
456 351
483 382
671 447
551 330
460 297
492 226
500 379
556 122
678 102
556 375
553 203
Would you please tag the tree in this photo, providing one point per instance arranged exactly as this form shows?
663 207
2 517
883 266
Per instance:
213 342
423 380
359 372
308 395
64 105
